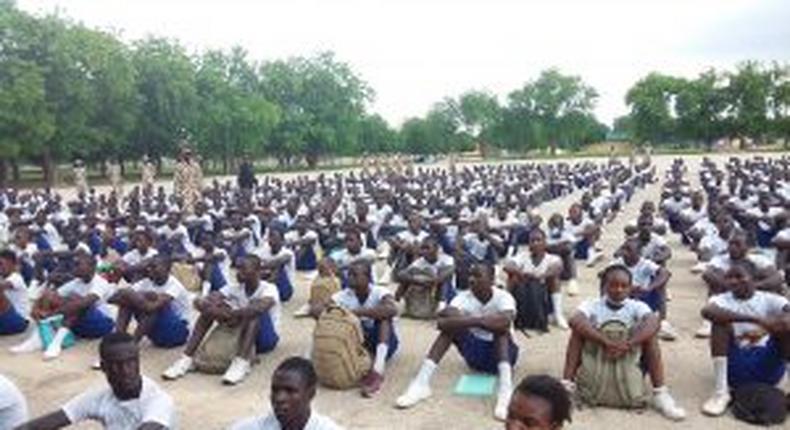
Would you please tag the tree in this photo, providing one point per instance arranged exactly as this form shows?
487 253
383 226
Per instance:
700 106
651 100
748 90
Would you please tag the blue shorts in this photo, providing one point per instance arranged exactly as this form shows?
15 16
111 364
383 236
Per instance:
169 330
448 291
267 337
284 286
371 332
582 249
93 324
762 364
11 322
765 237
652 298
308 261
481 355
216 277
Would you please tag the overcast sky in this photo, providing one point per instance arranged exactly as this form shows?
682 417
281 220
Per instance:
415 52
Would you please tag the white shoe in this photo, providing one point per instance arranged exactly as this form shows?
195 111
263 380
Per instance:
96 365
31 344
53 351
413 395
699 268
665 404
704 330
561 322
303 311
237 371
717 404
178 369
573 287
440 307
593 258
667 332
502 405
570 386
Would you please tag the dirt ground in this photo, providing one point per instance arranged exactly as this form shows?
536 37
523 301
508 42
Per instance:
203 403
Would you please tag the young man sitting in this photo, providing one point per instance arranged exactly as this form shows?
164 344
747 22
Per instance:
251 303
432 270
131 401
478 322
636 341
293 388
159 303
376 310
14 302
750 339
83 304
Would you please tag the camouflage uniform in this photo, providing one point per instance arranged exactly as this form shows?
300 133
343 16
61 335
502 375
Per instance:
148 175
188 183
116 179
80 179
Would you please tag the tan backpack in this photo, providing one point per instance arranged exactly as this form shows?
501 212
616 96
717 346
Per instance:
339 355
602 381
188 276
214 355
323 288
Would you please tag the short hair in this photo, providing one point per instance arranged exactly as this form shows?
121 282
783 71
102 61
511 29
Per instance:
113 339
7 254
605 273
551 390
302 366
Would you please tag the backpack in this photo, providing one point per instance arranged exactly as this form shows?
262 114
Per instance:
602 381
532 306
214 355
323 288
420 300
759 404
187 275
339 355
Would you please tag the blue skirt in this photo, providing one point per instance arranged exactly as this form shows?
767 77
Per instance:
371 333
93 324
267 337
308 261
762 364
11 322
582 249
284 286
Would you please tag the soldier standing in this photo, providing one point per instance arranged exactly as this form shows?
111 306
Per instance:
80 177
116 179
148 174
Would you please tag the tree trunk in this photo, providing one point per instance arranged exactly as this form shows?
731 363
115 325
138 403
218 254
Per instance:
46 165
224 163
15 175
3 172
311 159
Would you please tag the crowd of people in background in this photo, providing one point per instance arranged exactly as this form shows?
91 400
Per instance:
212 263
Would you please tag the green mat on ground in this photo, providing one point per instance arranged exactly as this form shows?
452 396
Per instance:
476 385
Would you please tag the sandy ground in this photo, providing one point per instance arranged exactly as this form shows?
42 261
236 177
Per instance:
203 403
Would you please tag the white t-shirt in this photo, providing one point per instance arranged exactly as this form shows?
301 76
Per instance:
653 246
443 262
17 294
269 422
293 236
349 300
642 273
762 304
714 244
236 297
179 230
13 407
412 238
98 286
182 303
343 258
577 230
469 305
476 246
549 263
724 262
265 253
134 256
100 404
598 312
223 263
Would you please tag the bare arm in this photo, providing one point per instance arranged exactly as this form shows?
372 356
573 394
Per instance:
51 421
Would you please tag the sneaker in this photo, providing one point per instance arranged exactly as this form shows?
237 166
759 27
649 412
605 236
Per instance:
667 332
502 404
573 287
53 351
96 365
561 323
413 395
441 306
699 268
665 404
569 386
371 384
31 344
593 258
717 404
704 331
237 371
303 311
178 369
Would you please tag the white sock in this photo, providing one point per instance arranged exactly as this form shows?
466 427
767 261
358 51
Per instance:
720 374
556 301
381 358
505 378
426 372
308 354
56 345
